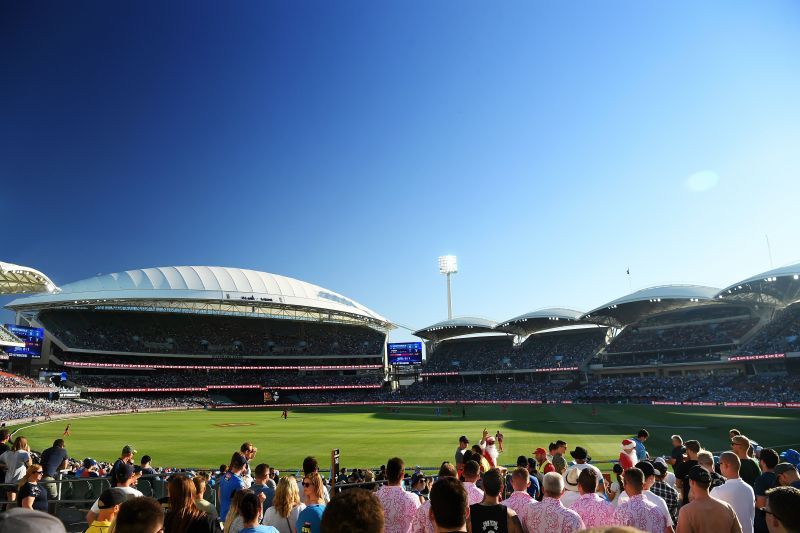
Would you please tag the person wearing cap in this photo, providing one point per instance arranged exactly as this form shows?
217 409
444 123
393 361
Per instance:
787 476
418 484
791 456
736 492
463 444
125 458
550 515
636 511
19 520
782 510
704 513
582 459
767 462
750 469
126 476
108 507
649 473
545 466
593 510
662 489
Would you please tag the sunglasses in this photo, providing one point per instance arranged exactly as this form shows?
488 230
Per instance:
764 509
306 484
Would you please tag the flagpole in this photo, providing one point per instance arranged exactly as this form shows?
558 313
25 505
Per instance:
630 286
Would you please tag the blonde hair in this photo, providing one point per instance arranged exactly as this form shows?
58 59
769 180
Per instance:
31 469
21 443
233 510
316 484
287 496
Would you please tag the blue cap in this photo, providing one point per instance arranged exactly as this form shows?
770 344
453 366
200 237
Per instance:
791 456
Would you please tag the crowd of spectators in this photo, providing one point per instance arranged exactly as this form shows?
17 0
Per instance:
132 402
636 338
7 336
13 381
217 361
658 359
190 334
16 408
780 335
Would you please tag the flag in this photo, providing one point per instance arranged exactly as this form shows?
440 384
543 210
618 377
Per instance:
628 272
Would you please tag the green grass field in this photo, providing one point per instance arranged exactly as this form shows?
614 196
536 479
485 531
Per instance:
367 437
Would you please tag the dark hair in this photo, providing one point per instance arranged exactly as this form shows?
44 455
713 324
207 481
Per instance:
617 469
522 461
182 510
146 459
553 446
532 464
449 503
58 443
4 434
237 461
493 482
354 510
477 449
249 507
560 443
643 433
692 445
394 469
447 470
310 465
635 478
472 469
139 514
262 470
587 479
783 504
770 457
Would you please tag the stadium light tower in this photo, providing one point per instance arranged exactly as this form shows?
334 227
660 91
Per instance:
448 264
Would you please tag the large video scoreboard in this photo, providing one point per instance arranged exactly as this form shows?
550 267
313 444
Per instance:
404 353
32 337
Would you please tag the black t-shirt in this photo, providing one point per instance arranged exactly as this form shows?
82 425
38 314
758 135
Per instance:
4 447
52 459
38 493
488 518
677 454
203 524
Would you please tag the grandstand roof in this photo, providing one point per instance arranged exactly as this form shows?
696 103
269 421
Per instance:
777 286
645 302
231 287
541 319
16 279
456 327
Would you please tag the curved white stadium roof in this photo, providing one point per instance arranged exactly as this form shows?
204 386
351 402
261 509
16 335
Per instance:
16 279
199 283
779 285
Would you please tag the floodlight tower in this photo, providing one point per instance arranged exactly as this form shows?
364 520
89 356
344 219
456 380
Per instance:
448 264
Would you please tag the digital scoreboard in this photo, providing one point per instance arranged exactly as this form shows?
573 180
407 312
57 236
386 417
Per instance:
32 337
404 353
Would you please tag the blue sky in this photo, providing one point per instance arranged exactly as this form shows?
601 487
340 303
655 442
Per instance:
549 145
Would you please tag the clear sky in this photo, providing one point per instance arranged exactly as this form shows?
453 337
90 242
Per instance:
550 145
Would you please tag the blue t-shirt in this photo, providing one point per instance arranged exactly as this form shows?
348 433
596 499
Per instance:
259 529
533 488
268 492
310 518
641 452
229 484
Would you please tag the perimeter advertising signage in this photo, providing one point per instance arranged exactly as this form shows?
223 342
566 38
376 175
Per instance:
404 353
32 337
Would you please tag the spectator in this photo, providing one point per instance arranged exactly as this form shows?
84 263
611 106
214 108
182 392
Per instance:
423 523
31 495
250 512
311 466
649 480
639 440
233 521
615 489
145 468
183 515
559 465
139 515
593 510
782 510
125 479
230 483
571 494
200 483
261 485
545 466
53 460
519 499
661 489
736 492
17 461
706 460
286 506
682 469
471 475
637 511
354 511
750 469
310 518
535 488
767 462
248 452
705 513
108 504
399 506
676 456
125 458
20 520
463 443
490 516
5 437
550 516
449 506
419 487
787 476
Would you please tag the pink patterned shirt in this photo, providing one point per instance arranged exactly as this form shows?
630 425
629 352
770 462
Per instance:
399 508
638 512
518 501
474 494
594 510
422 523
549 516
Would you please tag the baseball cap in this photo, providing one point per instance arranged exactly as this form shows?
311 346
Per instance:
463 438
125 472
111 497
20 520
791 456
647 468
128 448
539 451
660 467
699 474
559 463
782 468
89 462
580 453
416 478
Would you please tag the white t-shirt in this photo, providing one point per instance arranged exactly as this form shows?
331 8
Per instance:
617 490
16 463
569 497
283 525
670 479
130 491
740 496
652 498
